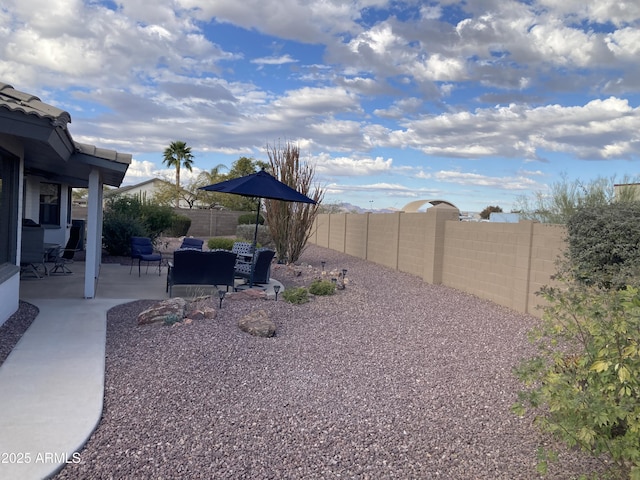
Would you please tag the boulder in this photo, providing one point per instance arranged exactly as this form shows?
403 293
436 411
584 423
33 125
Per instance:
201 311
247 294
162 310
258 323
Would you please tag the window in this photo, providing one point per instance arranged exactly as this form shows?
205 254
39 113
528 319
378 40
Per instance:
49 204
9 188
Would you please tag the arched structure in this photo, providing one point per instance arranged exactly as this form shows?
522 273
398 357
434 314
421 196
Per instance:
414 206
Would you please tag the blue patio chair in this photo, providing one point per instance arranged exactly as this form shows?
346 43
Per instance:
190 243
142 250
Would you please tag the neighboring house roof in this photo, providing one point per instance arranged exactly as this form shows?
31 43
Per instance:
137 186
49 149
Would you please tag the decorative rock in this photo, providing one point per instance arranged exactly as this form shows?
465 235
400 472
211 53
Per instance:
160 311
257 323
201 312
248 294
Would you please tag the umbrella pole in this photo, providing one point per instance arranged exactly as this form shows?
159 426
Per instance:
255 244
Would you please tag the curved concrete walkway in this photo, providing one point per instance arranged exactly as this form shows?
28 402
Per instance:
52 383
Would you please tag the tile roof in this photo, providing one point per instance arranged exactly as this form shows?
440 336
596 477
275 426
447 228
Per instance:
44 153
15 100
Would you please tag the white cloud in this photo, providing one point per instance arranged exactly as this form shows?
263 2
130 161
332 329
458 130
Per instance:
281 60
351 167
520 182
595 130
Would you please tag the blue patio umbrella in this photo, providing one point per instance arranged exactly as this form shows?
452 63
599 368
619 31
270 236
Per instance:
260 185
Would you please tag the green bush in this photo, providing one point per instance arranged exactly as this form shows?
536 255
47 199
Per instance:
180 225
250 219
604 245
220 242
117 231
126 216
585 381
247 232
322 287
296 296
157 219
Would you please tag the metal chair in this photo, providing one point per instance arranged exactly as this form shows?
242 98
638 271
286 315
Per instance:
258 271
65 255
142 250
190 243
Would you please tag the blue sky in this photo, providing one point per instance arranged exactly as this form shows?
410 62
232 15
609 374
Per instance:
476 102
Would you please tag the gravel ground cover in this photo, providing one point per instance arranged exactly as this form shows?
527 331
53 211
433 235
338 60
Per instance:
389 378
12 330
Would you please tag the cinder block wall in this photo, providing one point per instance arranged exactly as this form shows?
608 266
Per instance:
382 239
506 263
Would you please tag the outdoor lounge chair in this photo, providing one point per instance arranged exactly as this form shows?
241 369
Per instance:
65 255
261 267
142 250
194 267
32 251
244 251
190 243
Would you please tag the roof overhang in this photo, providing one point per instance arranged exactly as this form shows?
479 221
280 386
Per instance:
49 150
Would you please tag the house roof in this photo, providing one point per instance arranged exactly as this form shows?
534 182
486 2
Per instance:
49 149
128 188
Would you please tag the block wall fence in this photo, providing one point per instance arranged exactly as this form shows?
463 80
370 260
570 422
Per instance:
506 263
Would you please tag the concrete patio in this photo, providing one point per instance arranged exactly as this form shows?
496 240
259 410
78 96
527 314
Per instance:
52 384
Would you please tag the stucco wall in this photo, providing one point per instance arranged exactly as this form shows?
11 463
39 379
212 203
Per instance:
506 263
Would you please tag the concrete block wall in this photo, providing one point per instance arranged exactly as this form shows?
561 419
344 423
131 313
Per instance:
337 230
506 263
355 242
382 239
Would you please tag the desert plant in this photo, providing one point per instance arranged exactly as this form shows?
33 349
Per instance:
296 296
223 243
290 223
565 197
171 319
322 287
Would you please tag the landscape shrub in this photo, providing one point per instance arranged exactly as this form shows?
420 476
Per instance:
117 231
296 296
127 216
250 219
247 232
604 245
322 287
180 225
584 383
223 243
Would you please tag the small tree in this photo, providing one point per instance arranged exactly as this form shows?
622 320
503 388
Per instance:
486 213
289 222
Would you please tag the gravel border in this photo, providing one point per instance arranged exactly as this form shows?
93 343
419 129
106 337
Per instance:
11 331
389 378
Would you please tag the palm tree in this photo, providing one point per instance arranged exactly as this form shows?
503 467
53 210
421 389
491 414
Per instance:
177 154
